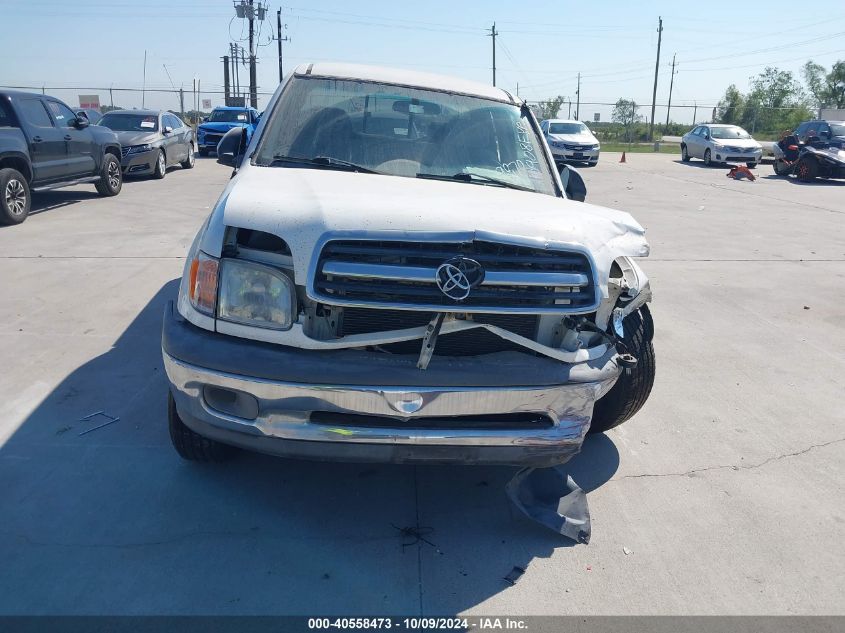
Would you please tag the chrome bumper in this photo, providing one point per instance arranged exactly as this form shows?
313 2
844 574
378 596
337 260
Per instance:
284 411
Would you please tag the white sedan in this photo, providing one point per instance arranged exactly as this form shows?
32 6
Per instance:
721 144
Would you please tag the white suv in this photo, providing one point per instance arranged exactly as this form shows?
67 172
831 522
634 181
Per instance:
395 273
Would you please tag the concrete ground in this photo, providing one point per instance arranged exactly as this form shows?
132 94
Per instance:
723 495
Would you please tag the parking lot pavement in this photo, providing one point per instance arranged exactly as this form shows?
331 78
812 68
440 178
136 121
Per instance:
723 495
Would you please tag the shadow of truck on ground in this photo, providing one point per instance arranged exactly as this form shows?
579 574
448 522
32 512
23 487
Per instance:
114 522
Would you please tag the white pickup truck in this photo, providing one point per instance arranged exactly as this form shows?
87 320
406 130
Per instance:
395 272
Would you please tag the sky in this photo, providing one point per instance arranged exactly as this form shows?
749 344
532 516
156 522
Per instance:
73 47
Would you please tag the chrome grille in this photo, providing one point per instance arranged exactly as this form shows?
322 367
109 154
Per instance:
401 274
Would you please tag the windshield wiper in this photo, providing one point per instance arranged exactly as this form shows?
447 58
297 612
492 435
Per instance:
325 162
478 178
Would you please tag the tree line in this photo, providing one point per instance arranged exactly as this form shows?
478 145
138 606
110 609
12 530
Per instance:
775 101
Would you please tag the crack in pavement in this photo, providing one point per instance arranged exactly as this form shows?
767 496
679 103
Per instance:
731 466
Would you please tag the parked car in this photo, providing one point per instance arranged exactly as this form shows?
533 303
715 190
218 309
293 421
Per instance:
717 143
91 114
45 145
221 120
832 132
395 273
152 141
571 141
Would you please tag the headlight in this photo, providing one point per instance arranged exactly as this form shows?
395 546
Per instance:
137 149
256 295
595 146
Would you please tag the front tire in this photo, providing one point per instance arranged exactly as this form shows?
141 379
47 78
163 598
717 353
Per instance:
111 177
634 384
684 154
161 166
15 201
191 445
807 169
188 163
707 158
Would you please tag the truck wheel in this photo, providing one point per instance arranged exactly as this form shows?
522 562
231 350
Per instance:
111 177
190 445
188 163
161 166
14 197
633 387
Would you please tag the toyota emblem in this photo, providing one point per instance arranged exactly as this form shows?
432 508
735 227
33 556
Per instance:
457 277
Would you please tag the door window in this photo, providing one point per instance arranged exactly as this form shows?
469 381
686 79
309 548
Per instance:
34 113
62 115
172 121
5 117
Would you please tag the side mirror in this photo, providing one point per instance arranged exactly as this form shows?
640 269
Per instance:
167 129
573 184
232 146
81 122
204 119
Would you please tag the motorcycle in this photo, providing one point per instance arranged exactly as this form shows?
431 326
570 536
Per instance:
809 160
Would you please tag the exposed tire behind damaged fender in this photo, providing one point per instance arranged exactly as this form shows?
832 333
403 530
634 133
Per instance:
633 387
191 445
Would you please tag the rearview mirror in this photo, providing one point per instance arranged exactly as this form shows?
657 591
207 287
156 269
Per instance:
415 106
573 184
232 146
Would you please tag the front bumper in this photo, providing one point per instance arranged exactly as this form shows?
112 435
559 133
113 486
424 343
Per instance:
562 155
727 156
209 141
140 164
369 406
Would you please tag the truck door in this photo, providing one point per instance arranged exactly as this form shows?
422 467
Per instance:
46 143
79 144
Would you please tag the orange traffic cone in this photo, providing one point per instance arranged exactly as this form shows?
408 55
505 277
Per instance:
622 160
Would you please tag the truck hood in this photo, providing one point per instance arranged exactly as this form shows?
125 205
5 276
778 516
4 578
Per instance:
306 206
221 127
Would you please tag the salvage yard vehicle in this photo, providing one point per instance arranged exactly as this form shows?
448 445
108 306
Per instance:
45 145
571 141
395 273
717 144
808 161
221 120
151 141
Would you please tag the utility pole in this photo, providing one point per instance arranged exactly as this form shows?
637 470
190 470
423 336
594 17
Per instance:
671 84
253 89
578 98
226 78
656 70
493 34
144 85
280 39
181 102
694 111
569 112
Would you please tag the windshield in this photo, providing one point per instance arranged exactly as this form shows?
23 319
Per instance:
729 132
403 131
228 116
837 129
130 122
567 128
